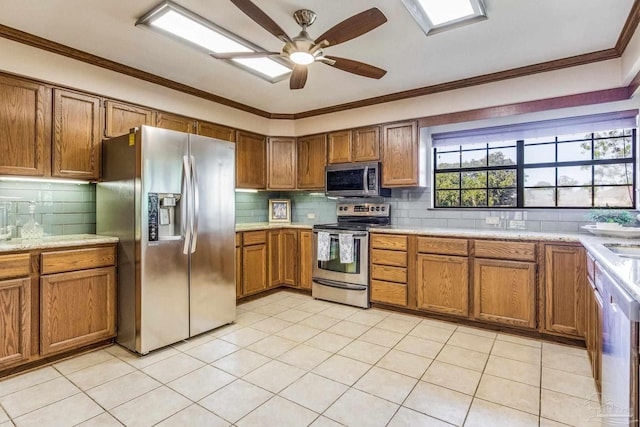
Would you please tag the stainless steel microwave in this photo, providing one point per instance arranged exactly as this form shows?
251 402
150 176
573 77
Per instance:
355 180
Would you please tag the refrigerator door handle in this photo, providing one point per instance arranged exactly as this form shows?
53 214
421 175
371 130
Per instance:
196 205
186 218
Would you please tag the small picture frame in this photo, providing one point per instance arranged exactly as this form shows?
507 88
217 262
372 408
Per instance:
279 210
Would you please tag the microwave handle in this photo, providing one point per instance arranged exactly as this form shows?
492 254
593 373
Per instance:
365 180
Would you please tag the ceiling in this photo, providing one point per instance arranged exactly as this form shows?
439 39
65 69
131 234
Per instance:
518 33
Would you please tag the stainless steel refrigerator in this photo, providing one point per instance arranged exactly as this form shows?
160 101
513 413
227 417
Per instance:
169 197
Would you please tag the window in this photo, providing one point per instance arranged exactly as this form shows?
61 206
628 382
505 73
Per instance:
577 169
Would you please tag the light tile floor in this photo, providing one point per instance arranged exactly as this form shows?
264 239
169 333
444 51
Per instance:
290 360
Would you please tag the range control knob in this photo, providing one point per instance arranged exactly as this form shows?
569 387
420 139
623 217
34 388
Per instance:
384 208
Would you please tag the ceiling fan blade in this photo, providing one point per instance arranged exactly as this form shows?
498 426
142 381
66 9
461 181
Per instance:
353 27
298 77
356 67
233 55
261 18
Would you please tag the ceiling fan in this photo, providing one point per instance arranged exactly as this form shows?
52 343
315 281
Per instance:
302 50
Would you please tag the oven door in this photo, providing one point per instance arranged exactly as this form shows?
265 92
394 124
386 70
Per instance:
333 271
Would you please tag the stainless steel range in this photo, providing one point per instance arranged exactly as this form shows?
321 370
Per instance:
346 280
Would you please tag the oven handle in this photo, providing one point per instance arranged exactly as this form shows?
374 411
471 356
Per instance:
334 233
339 285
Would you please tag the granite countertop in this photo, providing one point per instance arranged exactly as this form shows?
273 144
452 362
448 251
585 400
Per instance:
55 242
625 271
483 234
265 225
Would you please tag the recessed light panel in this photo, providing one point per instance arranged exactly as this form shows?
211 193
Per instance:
434 16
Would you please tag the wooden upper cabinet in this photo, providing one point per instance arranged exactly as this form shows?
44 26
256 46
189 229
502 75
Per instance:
213 130
76 137
281 167
251 160
565 286
25 127
312 157
175 122
366 144
400 155
121 118
339 150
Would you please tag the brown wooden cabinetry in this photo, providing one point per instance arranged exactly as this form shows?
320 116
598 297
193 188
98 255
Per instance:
366 144
254 262
238 265
565 286
339 147
25 127
275 258
442 275
389 268
120 118
593 324
312 158
175 122
289 251
400 155
15 309
305 259
251 165
76 145
281 156
213 130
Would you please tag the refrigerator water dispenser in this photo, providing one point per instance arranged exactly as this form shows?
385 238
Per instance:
164 216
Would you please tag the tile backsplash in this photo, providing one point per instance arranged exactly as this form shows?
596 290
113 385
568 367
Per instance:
60 208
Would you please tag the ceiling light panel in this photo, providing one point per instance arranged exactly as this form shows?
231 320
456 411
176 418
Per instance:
434 16
184 25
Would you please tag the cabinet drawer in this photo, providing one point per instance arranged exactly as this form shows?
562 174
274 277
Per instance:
394 243
391 274
385 257
14 265
254 237
437 245
389 293
591 267
238 239
77 259
519 251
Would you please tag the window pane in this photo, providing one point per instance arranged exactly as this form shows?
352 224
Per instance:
612 133
503 178
539 153
506 197
474 198
474 180
574 197
574 136
614 197
447 160
614 148
473 159
540 177
448 180
447 198
572 151
574 175
613 174
537 197
503 157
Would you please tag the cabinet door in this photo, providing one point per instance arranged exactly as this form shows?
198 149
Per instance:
254 268
289 241
251 160
505 292
339 147
213 130
25 128
175 122
15 321
443 284
400 155
366 144
312 157
306 261
565 285
238 272
275 258
77 309
76 137
282 163
120 118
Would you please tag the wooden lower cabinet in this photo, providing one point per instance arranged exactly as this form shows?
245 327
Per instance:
593 333
289 251
305 267
275 258
442 283
505 292
238 265
15 321
254 268
77 308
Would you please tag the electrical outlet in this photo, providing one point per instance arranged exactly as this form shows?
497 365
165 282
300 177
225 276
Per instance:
311 215
492 220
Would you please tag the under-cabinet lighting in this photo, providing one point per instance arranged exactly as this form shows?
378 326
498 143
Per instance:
43 180
176 21
434 16
246 190
317 194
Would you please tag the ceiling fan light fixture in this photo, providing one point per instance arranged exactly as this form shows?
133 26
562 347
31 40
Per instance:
302 58
435 16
